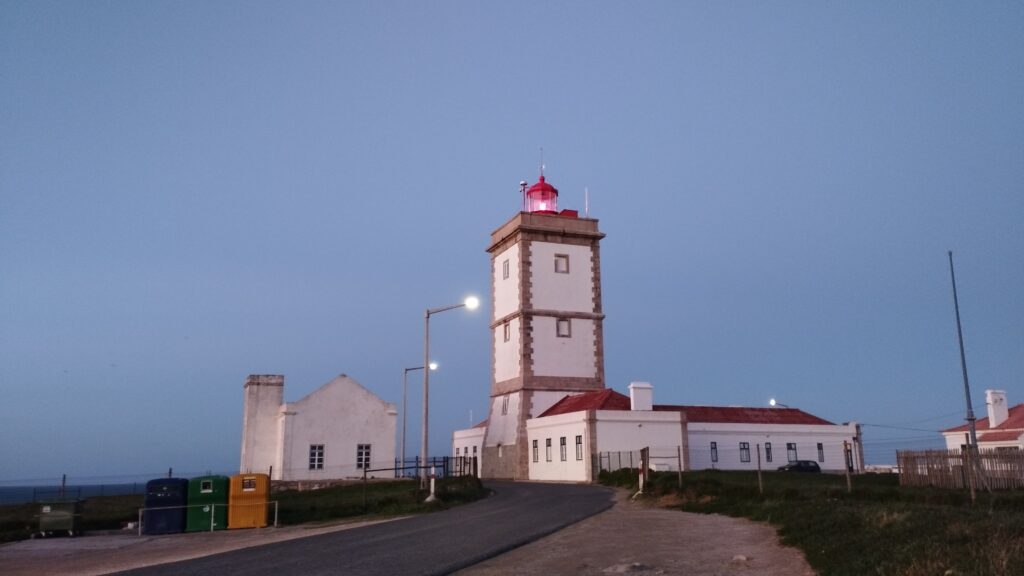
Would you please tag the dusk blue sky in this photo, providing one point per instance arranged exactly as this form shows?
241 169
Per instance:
191 192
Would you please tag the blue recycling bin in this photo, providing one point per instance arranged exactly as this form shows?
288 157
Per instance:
165 505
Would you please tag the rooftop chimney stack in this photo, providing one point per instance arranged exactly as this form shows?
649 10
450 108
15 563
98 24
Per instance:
998 411
641 396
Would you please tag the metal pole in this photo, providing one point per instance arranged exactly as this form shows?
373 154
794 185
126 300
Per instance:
848 460
426 395
405 411
963 360
760 483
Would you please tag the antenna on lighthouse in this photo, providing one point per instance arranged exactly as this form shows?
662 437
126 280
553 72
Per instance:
586 202
542 161
522 190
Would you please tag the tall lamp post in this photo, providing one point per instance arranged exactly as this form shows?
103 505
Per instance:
405 404
470 303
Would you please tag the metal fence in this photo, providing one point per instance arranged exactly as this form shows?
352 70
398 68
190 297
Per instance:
662 458
439 466
995 469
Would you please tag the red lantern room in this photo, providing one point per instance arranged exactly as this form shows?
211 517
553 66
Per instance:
542 197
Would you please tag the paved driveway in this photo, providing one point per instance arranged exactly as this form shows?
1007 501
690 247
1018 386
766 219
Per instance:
427 544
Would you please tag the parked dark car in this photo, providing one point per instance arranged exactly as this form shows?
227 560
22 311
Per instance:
801 466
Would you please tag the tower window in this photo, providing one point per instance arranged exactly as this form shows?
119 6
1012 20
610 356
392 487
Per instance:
316 456
508 331
562 263
362 456
504 269
563 328
504 404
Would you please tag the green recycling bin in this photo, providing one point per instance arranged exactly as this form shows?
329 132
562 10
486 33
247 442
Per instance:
60 516
207 504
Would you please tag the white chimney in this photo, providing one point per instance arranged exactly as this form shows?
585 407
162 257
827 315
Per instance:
641 396
998 411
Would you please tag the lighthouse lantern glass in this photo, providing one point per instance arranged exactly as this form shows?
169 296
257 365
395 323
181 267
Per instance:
543 201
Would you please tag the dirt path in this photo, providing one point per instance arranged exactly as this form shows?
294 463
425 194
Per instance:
638 539
96 554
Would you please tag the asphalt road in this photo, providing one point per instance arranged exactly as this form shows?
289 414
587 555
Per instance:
437 543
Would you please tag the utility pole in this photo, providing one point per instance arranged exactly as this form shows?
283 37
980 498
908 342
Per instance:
972 448
963 360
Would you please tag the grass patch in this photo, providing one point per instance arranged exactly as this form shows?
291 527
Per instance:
377 498
880 528
399 497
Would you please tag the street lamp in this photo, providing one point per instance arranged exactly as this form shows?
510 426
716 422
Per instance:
405 405
470 303
773 403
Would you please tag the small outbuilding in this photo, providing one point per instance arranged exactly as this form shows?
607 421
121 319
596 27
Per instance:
337 431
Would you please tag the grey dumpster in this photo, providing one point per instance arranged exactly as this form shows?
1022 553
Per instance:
60 516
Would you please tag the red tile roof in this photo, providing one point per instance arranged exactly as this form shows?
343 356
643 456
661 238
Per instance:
1000 436
742 415
606 399
1015 421
609 399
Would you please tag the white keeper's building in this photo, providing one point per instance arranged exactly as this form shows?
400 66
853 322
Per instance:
337 431
551 415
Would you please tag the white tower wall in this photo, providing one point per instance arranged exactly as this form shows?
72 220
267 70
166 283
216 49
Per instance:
264 395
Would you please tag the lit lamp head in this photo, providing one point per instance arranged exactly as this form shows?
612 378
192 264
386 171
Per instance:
542 197
432 365
472 303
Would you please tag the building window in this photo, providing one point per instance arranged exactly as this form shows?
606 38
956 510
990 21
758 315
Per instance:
547 449
768 451
563 328
508 331
316 456
579 447
363 456
562 263
504 270
821 452
499 450
504 404
536 452
714 451
474 451
744 451
791 451
561 448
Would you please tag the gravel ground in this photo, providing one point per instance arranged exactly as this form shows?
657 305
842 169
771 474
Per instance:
629 538
641 539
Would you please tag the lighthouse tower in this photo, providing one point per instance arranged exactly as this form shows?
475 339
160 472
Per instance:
547 335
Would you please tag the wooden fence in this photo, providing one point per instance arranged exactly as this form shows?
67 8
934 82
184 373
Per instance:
996 469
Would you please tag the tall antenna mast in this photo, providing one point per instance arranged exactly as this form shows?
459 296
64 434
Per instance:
586 202
542 161
522 190
963 360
